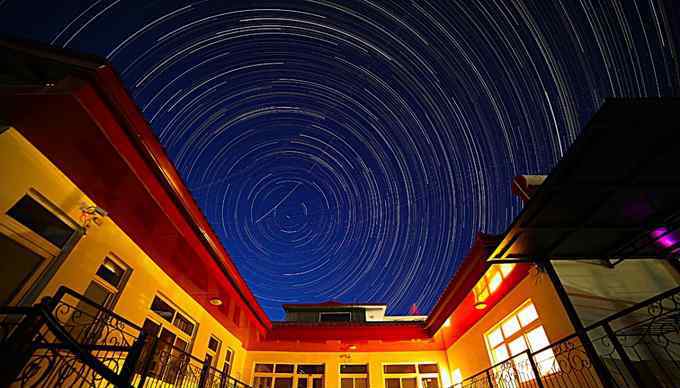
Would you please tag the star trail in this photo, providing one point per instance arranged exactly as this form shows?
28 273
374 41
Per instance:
350 150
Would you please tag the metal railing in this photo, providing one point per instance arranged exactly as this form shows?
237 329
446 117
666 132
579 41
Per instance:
70 340
638 346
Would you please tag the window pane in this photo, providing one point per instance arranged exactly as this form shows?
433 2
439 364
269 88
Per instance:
163 309
510 326
456 376
408 368
310 369
408 383
262 382
517 346
523 368
361 382
428 368
500 353
346 383
302 382
495 337
506 269
16 266
284 368
483 295
264 368
110 272
181 344
317 383
353 368
495 282
37 218
151 328
430 382
392 383
283 382
335 317
537 339
527 315
213 343
546 362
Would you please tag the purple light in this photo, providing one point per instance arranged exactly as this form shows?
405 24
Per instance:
665 238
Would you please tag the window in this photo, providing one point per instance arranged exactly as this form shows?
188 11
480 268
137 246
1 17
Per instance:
213 352
288 376
339 316
110 272
15 273
491 280
457 378
163 309
228 361
174 321
408 375
354 376
40 220
518 332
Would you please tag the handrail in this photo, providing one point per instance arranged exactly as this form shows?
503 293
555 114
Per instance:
63 290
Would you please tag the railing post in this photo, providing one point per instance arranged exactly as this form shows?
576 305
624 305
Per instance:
627 362
603 374
223 380
488 378
204 374
130 365
535 369
147 363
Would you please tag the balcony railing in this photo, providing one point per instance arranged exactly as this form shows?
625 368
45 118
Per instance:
69 340
638 347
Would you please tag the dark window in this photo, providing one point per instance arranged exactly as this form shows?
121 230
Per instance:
111 272
151 328
283 382
37 218
265 368
335 317
310 369
163 309
17 264
213 344
354 369
428 368
284 368
405 368
184 324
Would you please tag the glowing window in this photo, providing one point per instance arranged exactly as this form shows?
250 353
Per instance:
491 281
457 378
517 334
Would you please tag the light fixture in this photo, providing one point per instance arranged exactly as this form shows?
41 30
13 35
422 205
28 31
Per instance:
352 347
480 305
216 302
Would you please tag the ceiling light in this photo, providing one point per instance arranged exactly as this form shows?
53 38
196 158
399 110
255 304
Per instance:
216 302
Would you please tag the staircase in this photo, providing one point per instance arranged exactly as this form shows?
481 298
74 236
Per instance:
69 340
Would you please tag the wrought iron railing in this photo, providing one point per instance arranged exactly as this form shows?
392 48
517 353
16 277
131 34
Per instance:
638 347
69 340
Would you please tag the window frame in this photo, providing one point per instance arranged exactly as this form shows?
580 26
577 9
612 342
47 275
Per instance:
170 326
417 375
482 289
354 376
294 375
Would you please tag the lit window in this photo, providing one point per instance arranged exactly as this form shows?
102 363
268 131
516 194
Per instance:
457 378
491 281
289 376
354 376
407 375
517 333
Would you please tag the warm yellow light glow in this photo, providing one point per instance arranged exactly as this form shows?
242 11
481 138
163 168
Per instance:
447 323
216 302
480 305
495 282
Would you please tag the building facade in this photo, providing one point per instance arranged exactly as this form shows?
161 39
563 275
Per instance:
112 276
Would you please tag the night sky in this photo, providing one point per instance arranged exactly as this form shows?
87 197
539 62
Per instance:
351 150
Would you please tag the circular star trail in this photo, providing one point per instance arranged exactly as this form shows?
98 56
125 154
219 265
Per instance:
350 150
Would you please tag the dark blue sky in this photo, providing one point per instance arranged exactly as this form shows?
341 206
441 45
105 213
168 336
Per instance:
350 150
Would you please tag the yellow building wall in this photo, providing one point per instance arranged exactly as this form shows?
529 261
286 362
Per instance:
469 352
332 361
24 168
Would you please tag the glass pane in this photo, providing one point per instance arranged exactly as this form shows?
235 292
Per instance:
495 337
527 315
110 272
495 282
517 346
392 383
310 369
181 344
361 382
353 369
346 383
37 218
283 382
213 343
16 266
163 309
523 368
264 368
405 368
500 353
430 382
510 326
184 324
506 269
483 295
284 368
317 383
537 339
302 382
151 328
263 382
546 362
409 383
428 368
456 376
